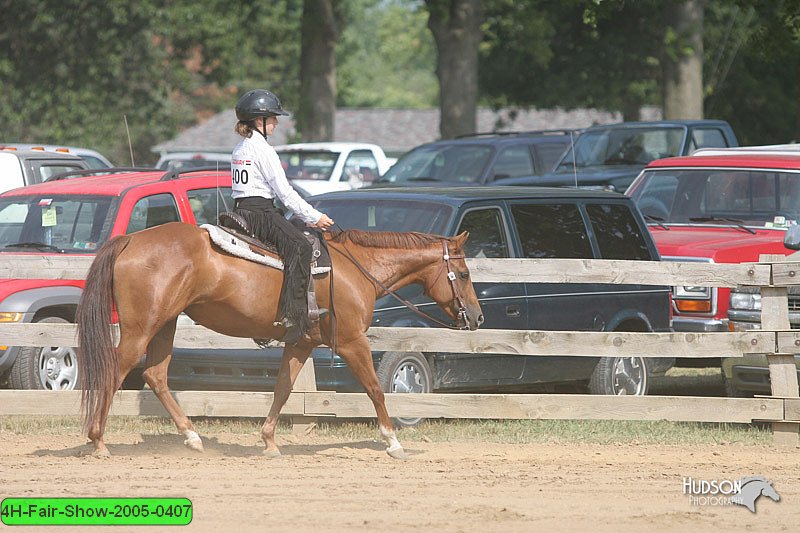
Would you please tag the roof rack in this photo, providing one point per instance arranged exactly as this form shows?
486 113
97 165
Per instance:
97 172
508 133
173 174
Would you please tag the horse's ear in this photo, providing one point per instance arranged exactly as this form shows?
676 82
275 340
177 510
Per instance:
461 239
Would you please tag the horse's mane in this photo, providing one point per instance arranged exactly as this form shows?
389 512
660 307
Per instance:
387 239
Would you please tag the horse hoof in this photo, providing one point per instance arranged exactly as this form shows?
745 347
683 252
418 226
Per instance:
397 452
271 454
195 444
101 453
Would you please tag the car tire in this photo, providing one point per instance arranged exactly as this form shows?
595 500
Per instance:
45 367
620 376
405 372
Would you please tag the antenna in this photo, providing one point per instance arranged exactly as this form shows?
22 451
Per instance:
574 164
130 146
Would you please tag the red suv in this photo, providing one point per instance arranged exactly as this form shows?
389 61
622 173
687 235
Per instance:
717 209
75 217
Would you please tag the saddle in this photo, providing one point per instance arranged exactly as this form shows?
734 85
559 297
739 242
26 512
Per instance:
238 228
234 235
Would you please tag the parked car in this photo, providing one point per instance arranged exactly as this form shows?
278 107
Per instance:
717 209
75 217
321 167
503 222
19 168
749 375
787 149
611 156
181 161
478 159
93 158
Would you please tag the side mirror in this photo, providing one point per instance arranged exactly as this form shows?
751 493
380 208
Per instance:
792 238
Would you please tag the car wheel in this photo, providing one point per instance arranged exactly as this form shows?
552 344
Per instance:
407 372
45 368
620 376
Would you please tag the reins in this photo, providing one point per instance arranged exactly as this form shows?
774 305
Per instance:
462 310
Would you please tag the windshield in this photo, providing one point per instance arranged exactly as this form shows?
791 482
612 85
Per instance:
719 196
459 163
308 165
377 214
50 223
623 146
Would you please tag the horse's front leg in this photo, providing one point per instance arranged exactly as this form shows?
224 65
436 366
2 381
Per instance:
358 356
294 357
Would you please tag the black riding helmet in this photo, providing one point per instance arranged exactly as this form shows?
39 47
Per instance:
258 103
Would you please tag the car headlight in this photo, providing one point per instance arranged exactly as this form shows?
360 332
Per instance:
692 299
697 293
745 301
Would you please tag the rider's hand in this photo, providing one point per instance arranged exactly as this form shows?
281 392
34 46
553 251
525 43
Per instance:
324 222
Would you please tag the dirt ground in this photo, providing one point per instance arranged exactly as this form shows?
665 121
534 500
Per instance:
321 484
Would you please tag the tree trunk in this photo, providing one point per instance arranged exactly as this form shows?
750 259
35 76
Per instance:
683 61
456 28
319 31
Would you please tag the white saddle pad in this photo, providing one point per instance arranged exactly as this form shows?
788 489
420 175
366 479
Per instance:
239 248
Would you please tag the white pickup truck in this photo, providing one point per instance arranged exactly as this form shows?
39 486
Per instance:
315 168
19 168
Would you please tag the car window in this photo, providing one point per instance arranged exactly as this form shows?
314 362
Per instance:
74 224
548 154
552 230
153 211
487 235
45 170
617 232
308 164
207 204
719 196
360 167
623 146
512 162
387 215
707 138
94 162
460 163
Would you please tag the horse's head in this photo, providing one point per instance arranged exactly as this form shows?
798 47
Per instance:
451 286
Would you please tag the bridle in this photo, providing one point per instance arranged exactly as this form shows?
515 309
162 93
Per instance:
451 276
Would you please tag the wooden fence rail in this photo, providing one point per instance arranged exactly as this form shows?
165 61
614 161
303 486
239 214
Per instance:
775 338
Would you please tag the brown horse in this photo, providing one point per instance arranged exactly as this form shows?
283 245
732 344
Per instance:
154 275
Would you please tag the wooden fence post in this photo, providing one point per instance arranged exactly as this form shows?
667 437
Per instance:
306 382
782 370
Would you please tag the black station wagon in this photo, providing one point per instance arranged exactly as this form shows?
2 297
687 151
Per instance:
503 222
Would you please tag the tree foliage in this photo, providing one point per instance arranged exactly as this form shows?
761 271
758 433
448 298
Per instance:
71 71
754 82
386 57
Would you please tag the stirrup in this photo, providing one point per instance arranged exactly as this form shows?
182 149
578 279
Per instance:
293 331
316 314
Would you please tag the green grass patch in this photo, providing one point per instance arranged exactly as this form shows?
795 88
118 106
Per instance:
495 431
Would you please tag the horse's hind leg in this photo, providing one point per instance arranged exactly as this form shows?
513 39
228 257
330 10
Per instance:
294 357
159 353
128 354
358 357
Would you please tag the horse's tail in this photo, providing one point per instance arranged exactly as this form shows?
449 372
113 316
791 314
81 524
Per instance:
98 363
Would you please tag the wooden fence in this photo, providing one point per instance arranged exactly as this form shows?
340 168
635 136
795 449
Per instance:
774 274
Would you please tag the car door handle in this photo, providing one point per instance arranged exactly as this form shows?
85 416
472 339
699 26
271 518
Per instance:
512 310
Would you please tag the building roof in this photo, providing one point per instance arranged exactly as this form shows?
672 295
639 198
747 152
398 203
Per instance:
394 130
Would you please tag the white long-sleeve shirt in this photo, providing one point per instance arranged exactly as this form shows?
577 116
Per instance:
256 170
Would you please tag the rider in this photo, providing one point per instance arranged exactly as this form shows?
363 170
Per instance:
258 177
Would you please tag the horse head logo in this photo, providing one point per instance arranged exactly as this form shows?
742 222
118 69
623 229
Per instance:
752 488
